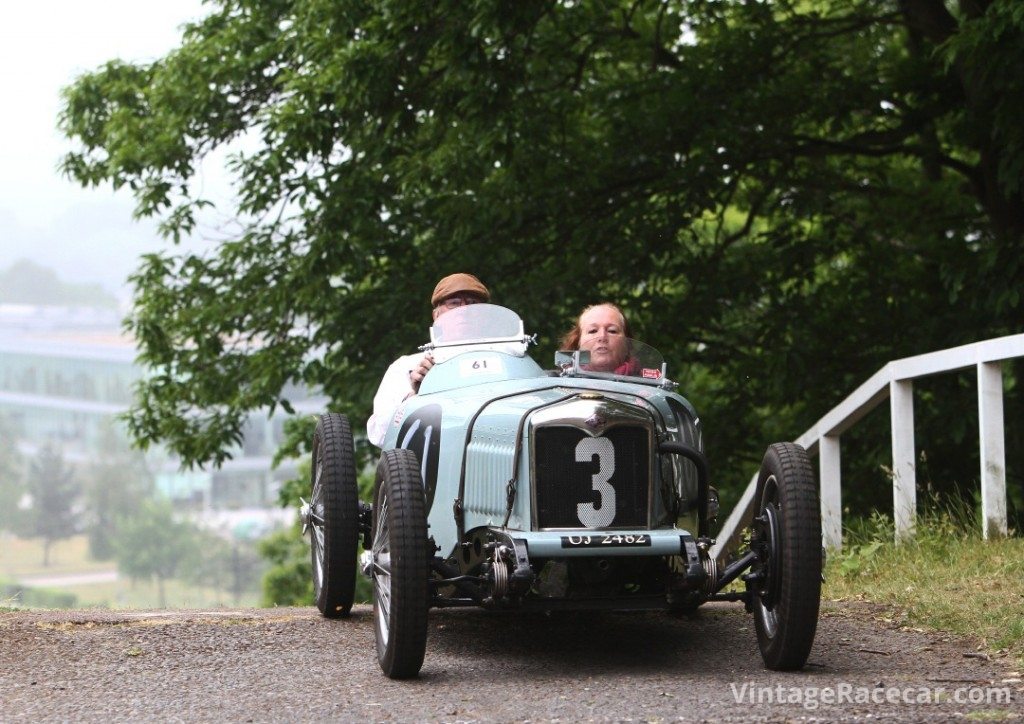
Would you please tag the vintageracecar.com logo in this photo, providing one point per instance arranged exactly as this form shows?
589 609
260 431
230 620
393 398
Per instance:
812 697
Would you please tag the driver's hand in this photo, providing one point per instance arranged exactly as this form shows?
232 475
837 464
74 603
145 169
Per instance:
417 374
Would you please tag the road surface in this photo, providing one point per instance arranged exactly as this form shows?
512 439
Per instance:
291 665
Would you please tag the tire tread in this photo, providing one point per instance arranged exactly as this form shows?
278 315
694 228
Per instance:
402 656
333 442
800 530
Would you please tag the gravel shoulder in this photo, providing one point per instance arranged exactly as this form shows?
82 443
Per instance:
291 665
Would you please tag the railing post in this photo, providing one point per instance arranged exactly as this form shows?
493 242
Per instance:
904 474
831 495
993 451
895 378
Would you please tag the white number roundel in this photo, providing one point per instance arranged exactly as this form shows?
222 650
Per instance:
598 516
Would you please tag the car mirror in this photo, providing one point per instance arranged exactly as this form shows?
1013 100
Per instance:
569 360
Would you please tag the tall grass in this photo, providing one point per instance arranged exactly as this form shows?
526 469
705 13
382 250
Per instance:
946 577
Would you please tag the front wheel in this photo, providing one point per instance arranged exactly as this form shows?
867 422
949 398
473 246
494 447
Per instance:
400 567
786 537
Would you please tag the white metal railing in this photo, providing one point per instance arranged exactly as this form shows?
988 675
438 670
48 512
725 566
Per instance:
895 381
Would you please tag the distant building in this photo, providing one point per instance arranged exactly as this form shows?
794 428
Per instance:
66 373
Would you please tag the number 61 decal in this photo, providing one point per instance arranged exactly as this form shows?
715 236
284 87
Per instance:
590 515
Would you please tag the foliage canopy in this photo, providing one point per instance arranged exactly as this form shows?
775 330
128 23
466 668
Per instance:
783 195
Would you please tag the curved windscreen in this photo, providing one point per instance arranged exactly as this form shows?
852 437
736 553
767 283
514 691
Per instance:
476 323
632 358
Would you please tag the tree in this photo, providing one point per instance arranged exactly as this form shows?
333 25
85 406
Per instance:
783 196
54 491
289 581
116 485
153 544
12 480
225 565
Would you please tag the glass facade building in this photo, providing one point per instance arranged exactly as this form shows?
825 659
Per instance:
66 376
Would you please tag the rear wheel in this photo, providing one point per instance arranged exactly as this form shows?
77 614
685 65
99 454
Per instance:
332 516
786 536
400 567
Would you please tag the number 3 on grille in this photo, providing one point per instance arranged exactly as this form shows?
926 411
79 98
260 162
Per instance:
592 516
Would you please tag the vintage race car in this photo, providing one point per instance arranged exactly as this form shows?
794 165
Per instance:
507 486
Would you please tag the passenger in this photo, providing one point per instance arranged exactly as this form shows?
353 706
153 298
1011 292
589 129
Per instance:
402 379
603 330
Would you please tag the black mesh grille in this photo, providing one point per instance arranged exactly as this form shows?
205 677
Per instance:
563 482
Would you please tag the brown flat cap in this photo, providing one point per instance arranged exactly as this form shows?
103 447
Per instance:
458 284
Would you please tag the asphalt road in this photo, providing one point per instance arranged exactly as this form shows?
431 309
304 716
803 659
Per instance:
292 665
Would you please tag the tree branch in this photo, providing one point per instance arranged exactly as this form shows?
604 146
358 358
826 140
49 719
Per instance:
805 145
929 18
823 147
974 8
752 214
839 27
661 56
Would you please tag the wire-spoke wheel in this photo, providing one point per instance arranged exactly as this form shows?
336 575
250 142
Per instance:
786 536
399 568
332 516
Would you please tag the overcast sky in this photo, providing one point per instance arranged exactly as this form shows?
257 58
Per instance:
87 235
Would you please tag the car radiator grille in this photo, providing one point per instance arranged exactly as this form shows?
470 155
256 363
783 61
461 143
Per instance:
573 472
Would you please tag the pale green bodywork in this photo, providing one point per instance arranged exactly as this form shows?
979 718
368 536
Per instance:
499 389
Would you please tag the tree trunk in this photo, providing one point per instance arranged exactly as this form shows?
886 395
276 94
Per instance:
46 552
1007 213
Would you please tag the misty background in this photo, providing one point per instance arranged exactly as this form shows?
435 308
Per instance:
85 519
85 235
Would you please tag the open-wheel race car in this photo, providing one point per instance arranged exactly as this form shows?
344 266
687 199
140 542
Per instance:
507 486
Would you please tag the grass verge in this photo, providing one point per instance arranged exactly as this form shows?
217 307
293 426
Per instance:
120 594
22 558
947 578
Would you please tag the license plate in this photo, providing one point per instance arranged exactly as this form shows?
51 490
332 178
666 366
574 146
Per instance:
611 540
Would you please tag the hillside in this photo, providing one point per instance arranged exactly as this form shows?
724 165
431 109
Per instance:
25 282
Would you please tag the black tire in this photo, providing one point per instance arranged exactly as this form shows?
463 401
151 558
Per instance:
787 537
400 567
334 516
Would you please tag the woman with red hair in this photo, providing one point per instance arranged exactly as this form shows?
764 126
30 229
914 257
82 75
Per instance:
602 330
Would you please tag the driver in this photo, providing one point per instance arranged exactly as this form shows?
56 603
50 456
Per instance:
402 379
603 330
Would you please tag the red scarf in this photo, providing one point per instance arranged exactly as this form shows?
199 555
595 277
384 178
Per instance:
630 367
